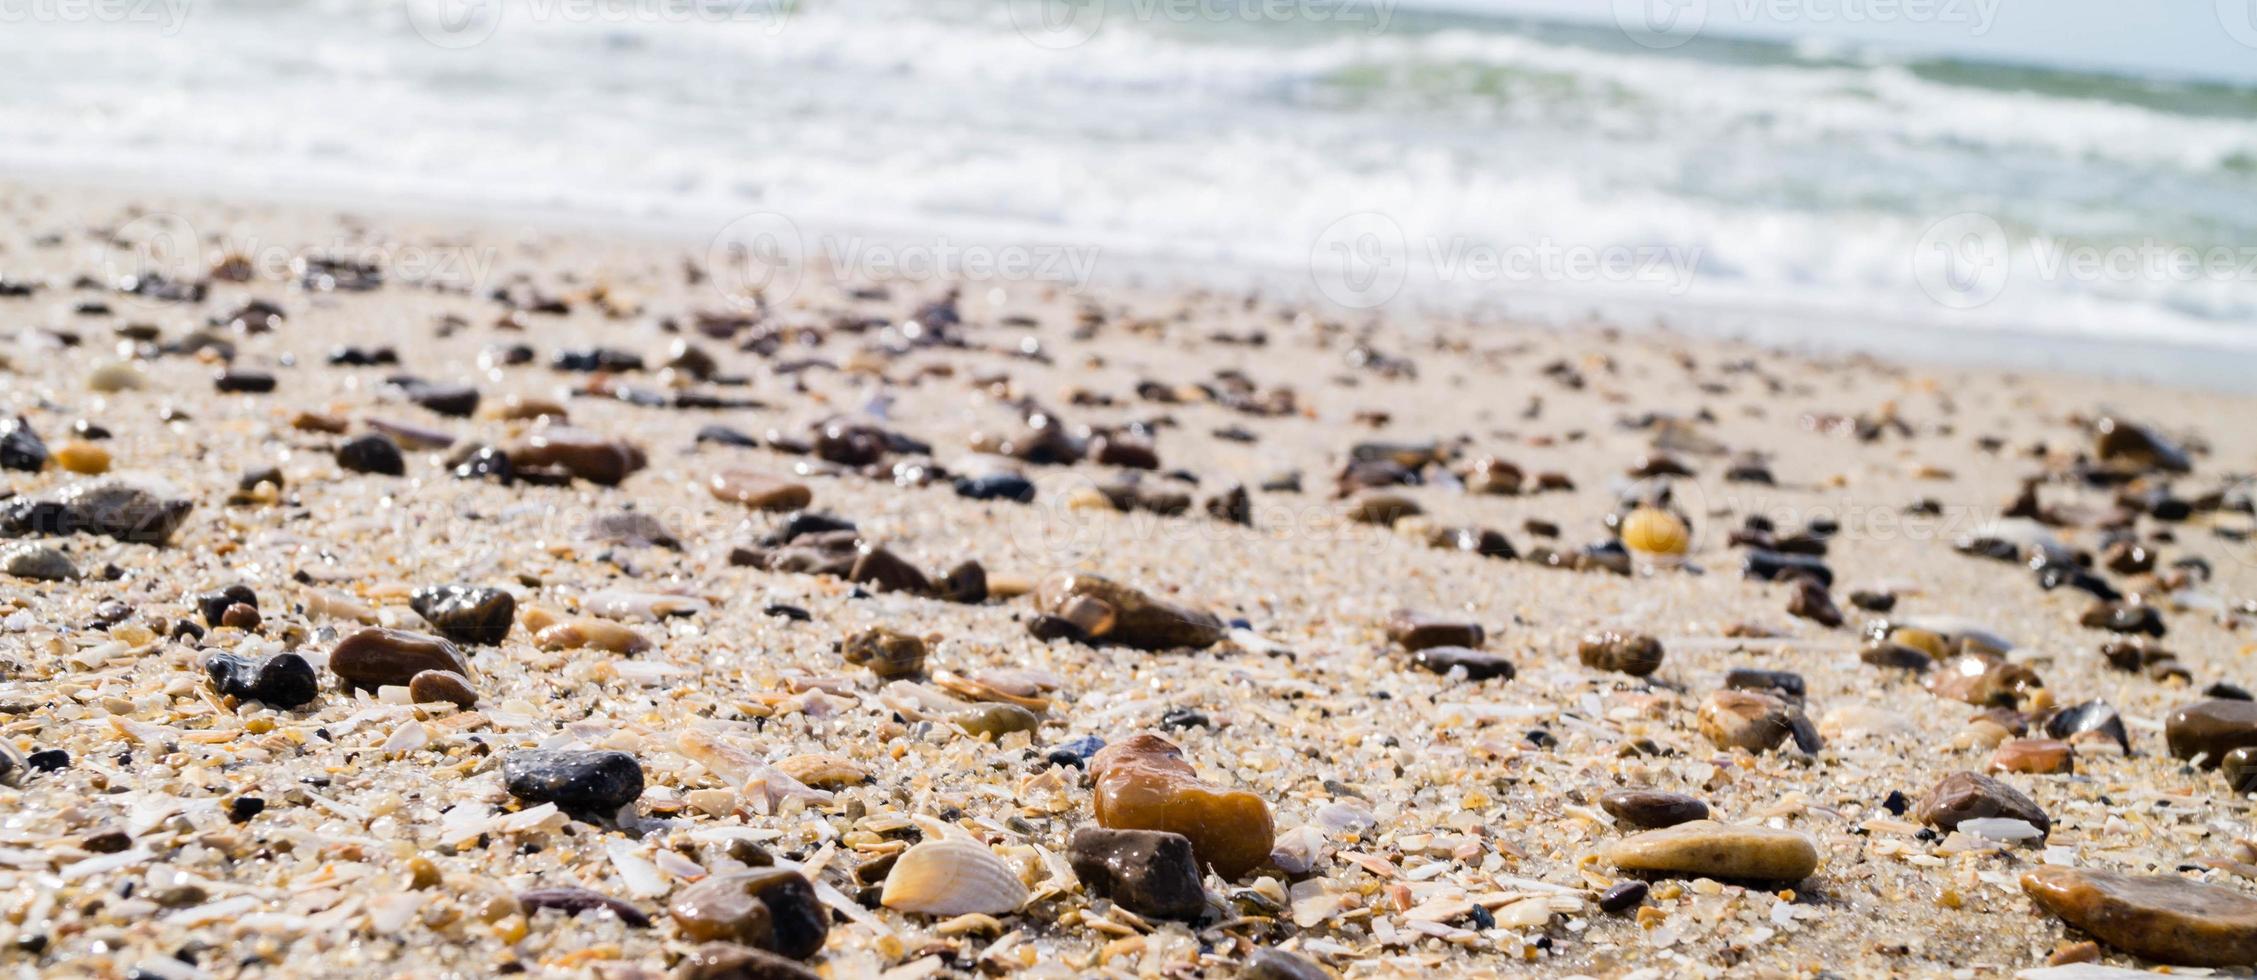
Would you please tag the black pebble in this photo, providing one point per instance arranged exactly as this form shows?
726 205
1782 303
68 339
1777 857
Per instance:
996 486
1074 752
1624 896
49 760
372 453
281 680
581 781
213 605
244 808
1178 719
790 612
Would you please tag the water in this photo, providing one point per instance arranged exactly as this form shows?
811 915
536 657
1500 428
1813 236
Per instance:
1813 192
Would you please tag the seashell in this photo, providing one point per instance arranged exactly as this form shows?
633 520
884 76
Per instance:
823 771
983 688
952 877
553 632
642 606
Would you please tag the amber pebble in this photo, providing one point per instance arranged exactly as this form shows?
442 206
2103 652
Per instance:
1651 809
377 657
2041 756
1654 531
582 454
1143 783
1755 722
1107 611
1709 849
774 909
1984 679
2211 729
79 456
888 653
2164 918
759 491
1417 631
1635 654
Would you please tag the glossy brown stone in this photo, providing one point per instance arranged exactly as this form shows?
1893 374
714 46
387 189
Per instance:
1984 679
888 653
2164 918
758 491
2210 729
432 686
1635 654
1479 665
1105 611
583 454
1417 631
1143 783
1965 796
377 657
774 909
1708 849
1652 809
2039 756
1755 722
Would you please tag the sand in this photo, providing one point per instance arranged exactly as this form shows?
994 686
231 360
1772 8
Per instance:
1425 788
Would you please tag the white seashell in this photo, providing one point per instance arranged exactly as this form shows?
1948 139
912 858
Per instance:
642 606
952 877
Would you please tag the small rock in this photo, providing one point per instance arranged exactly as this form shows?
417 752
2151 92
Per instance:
729 961
1148 872
281 680
1635 654
2158 917
1708 849
1776 566
758 491
38 563
376 657
1278 964
1778 683
435 686
573 901
772 909
1624 896
996 486
466 614
2038 756
1755 722
1417 631
1964 796
1478 665
580 781
372 453
20 447
82 457
888 653
213 605
2124 617
1382 508
584 455
2210 729
107 507
1811 602
1895 656
1869 601
2093 719
1143 783
1097 609
244 382
1652 809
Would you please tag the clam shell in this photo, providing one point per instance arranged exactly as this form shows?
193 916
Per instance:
952 877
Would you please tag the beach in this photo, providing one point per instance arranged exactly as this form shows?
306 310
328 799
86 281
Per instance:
1424 822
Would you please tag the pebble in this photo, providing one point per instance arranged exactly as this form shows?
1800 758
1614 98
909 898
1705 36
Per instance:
2210 729
1417 631
632 528
1478 665
1074 752
82 457
888 653
213 605
573 901
1382 508
553 632
2037 756
1708 849
1810 601
451 400
1095 609
1872 601
281 680
1148 872
593 782
2124 617
1654 531
1779 683
1624 896
1652 809
1964 796
20 446
1985 680
435 686
244 382
376 657
2240 768
1143 783
2126 443
1896 656
1279 964
2089 720
722 435
466 614
771 909
116 376
1755 722
759 491
2165 918
1636 654
38 562
583 454
106 507
729 961
372 453
1776 566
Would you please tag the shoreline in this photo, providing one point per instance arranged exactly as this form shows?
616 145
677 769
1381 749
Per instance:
1915 346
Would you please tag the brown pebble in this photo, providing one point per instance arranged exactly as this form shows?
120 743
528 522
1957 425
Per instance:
432 686
1964 796
888 653
2159 917
376 657
1417 631
1652 809
759 491
2210 729
2043 756
1635 654
1755 722
1106 611
1143 783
